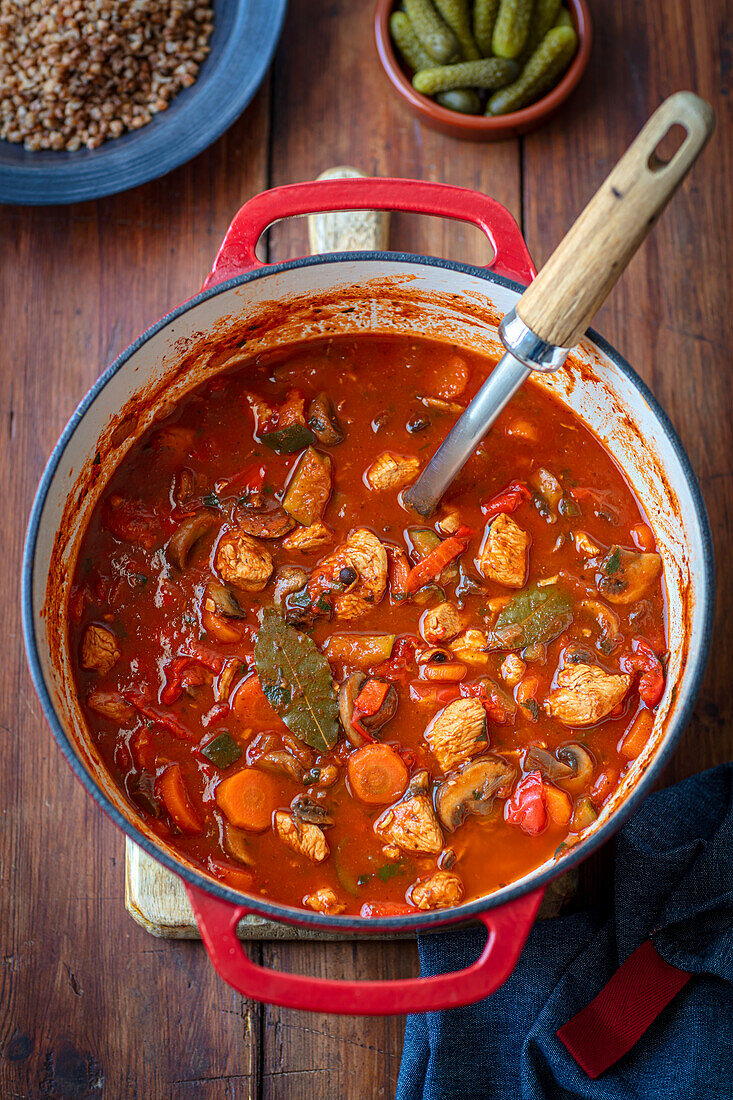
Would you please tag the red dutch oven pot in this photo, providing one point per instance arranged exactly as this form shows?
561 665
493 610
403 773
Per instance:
247 307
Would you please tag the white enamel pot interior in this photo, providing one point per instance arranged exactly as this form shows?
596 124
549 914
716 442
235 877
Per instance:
354 294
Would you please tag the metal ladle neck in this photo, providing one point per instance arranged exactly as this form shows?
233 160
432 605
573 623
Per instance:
526 345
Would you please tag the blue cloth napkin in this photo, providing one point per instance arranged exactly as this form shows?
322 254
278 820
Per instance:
673 880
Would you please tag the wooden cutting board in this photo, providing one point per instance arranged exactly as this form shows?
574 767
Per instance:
154 896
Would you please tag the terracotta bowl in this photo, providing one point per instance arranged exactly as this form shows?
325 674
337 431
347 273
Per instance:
479 127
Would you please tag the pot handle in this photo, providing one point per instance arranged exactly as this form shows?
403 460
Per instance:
237 253
507 927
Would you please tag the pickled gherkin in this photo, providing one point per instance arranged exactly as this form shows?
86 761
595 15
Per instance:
564 19
458 18
550 59
434 34
407 42
490 72
543 19
511 27
484 17
465 100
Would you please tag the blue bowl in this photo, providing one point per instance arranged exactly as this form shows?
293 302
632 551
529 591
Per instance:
244 39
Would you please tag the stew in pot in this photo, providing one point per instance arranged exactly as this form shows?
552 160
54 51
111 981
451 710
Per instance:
318 697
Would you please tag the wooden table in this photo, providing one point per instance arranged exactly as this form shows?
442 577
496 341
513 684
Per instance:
90 1005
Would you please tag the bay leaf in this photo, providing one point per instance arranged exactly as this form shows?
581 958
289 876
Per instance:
535 615
296 678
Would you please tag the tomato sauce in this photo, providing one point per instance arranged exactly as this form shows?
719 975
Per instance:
550 632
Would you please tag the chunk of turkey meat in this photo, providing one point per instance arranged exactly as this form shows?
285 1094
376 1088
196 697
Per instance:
512 669
440 624
305 839
391 471
457 732
362 554
242 561
99 649
504 553
309 538
585 694
411 824
324 901
440 891
110 704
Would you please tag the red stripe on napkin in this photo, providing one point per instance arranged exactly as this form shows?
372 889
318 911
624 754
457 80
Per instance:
608 1027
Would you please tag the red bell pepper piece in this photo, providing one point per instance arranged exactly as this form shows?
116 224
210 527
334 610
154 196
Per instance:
217 714
433 564
209 658
526 807
144 752
402 659
249 480
506 501
490 699
371 697
378 909
160 717
173 672
645 661
367 703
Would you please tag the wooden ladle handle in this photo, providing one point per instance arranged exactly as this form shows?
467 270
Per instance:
561 302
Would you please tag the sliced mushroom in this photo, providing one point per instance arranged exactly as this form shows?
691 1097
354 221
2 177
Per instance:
267 519
433 655
580 760
471 790
571 766
219 600
547 485
323 422
234 841
289 579
309 811
348 693
281 763
608 621
625 575
538 759
183 540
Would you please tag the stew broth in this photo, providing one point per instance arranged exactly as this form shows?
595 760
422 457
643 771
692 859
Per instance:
494 670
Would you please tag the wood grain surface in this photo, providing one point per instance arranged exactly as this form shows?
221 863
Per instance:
90 1005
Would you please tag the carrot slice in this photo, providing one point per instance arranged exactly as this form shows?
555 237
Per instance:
250 703
433 564
559 806
248 798
171 789
236 877
144 752
377 774
637 735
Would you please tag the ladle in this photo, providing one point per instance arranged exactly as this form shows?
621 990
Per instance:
557 307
